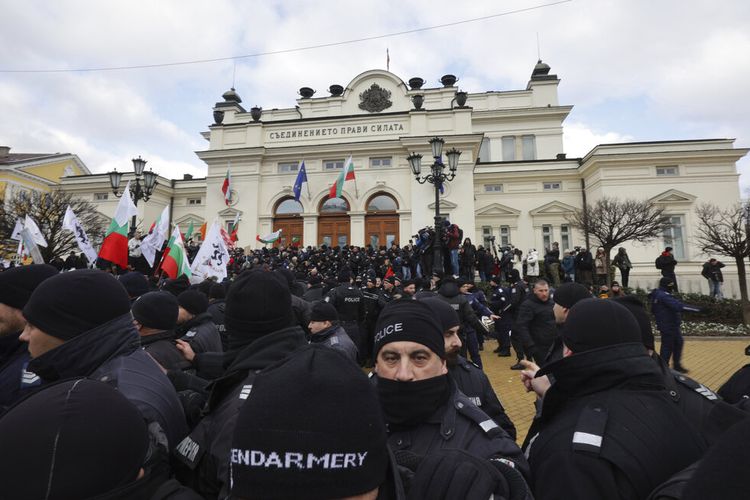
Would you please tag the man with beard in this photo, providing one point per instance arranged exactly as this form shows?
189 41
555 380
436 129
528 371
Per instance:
16 286
469 378
424 411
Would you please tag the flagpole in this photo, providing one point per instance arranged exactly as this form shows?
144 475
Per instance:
356 189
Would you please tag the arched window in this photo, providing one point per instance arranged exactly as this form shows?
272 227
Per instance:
382 203
334 206
289 206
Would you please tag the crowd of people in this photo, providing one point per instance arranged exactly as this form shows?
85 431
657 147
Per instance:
255 387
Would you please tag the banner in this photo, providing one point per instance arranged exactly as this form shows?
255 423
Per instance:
212 258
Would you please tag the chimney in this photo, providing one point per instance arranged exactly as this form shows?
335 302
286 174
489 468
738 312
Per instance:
187 177
4 151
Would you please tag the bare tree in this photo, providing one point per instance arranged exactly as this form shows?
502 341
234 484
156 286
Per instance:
48 211
725 232
612 222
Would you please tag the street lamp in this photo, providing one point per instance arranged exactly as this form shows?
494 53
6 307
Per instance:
137 192
437 177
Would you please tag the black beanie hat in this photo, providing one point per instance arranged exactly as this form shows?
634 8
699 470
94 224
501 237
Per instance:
135 283
444 312
259 302
17 283
315 279
568 294
74 439
193 301
323 311
638 310
409 320
666 283
594 323
345 274
217 291
69 304
157 310
176 286
310 428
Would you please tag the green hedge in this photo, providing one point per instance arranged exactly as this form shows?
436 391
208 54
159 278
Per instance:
726 311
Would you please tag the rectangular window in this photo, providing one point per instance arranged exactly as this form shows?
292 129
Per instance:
565 237
509 148
529 147
101 196
493 188
505 236
484 151
673 237
194 201
333 164
380 162
547 236
487 235
666 171
288 167
552 186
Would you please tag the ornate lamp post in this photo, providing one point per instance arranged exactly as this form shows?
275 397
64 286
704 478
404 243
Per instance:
437 177
137 192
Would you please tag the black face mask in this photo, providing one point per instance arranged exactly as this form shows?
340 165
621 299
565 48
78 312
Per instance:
410 403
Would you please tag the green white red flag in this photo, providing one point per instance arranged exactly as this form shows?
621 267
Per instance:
346 174
175 258
115 244
226 187
269 238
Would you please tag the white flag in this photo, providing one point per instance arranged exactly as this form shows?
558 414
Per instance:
212 258
126 208
71 223
32 249
16 235
34 231
153 241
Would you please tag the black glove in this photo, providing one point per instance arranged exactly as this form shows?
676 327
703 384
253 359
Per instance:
455 474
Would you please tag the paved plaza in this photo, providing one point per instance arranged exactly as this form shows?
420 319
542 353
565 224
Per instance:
711 362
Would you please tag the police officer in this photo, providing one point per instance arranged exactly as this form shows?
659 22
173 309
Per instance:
424 411
16 286
325 329
195 324
499 303
349 303
667 311
469 378
155 317
587 442
470 324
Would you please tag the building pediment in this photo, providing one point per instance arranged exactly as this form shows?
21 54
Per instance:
444 205
497 209
188 218
673 196
553 208
229 212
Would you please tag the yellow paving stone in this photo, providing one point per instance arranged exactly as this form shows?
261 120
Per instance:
710 362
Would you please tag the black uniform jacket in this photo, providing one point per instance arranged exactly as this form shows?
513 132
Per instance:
201 333
608 428
205 452
336 338
459 424
161 346
473 382
110 353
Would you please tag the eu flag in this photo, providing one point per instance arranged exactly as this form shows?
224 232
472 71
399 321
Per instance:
301 177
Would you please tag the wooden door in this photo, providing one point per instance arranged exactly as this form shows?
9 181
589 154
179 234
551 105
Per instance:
292 227
381 230
333 230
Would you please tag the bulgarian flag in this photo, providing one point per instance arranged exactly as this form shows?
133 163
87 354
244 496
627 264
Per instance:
269 238
189 233
115 244
175 259
347 174
226 188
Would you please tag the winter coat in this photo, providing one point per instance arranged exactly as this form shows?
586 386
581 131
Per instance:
622 261
314 293
532 263
666 262
110 353
667 310
336 338
569 264
201 333
15 381
203 455
713 271
450 293
535 325
161 346
587 442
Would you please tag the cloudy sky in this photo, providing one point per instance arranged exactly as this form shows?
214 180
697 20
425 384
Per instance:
636 70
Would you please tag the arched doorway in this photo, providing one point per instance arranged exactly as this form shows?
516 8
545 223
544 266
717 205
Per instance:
333 222
381 221
287 216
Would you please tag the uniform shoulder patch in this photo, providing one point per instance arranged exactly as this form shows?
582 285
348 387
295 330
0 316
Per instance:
696 386
466 407
589 431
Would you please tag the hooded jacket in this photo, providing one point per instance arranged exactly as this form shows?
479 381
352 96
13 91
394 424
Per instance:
110 353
